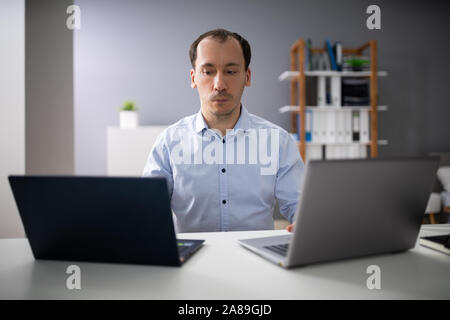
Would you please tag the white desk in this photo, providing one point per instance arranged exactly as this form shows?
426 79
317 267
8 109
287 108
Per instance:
222 269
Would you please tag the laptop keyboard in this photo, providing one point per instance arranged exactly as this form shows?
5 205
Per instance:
281 249
182 250
183 247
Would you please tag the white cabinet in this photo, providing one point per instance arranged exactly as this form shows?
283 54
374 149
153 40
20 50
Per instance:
128 149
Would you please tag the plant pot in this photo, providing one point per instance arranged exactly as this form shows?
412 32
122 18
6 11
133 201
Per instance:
128 119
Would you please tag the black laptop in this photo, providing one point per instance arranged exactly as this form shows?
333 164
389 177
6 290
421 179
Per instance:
100 219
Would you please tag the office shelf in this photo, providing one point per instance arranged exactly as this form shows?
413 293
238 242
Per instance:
379 142
292 75
285 109
297 77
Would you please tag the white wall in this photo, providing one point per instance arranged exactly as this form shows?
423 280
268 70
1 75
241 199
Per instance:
12 110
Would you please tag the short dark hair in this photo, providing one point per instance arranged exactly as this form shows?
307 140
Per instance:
221 35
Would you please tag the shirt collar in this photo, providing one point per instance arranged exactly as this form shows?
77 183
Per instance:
241 124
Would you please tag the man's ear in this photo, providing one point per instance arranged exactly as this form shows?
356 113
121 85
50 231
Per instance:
193 85
248 77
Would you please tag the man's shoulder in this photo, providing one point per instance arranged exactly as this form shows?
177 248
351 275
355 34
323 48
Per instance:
176 130
184 123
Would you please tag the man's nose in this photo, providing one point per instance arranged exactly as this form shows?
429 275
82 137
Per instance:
219 83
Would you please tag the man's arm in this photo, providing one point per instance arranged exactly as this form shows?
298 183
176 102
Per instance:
289 177
158 163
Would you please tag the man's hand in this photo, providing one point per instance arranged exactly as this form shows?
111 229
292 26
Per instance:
290 227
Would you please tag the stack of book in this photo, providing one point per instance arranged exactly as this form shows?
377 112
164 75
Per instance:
331 59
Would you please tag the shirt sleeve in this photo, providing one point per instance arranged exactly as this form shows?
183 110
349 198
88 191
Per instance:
289 178
158 163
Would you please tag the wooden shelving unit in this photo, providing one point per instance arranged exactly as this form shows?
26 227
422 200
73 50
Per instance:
297 77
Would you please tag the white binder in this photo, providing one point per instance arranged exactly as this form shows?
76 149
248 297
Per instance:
336 91
321 91
363 151
315 136
323 126
353 151
329 152
331 122
355 126
340 126
348 126
364 126
308 125
313 152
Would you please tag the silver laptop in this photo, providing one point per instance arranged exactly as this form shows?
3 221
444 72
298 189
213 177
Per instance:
352 208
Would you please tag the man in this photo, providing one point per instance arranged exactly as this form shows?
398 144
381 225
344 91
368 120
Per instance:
210 159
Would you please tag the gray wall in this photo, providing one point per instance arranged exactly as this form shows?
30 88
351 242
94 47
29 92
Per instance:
138 50
49 88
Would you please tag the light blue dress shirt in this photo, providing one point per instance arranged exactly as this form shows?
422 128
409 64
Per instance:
227 183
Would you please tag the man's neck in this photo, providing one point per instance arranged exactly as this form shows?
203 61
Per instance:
222 123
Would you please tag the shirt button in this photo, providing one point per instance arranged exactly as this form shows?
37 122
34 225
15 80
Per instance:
223 140
223 170
224 201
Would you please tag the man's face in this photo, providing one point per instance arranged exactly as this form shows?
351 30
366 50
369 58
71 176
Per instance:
220 75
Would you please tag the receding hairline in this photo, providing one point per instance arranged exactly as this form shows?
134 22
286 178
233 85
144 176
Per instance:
221 40
221 35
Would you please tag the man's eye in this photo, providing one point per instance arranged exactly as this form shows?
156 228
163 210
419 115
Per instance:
231 72
207 72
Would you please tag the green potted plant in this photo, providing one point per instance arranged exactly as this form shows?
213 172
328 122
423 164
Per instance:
128 115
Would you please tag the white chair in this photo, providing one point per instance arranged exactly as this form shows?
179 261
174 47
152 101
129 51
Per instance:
433 208
443 175
438 207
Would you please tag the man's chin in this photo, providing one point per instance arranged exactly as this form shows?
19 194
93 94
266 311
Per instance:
221 110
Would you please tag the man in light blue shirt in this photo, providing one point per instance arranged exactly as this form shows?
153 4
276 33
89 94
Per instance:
225 167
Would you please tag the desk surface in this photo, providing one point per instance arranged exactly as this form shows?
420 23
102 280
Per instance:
222 269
